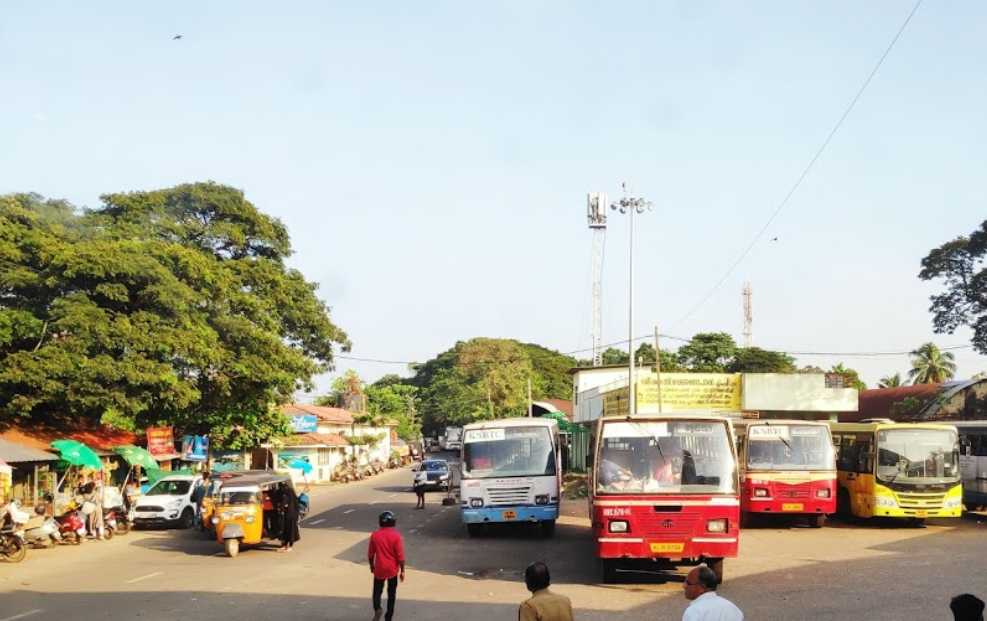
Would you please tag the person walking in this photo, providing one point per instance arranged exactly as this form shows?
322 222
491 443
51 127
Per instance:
543 605
420 492
700 589
198 495
288 508
386 555
967 607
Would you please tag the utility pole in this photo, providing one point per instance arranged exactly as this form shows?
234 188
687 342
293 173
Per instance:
658 366
748 316
596 214
630 206
529 397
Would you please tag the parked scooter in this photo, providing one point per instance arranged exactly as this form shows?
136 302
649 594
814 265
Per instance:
72 527
41 531
303 505
117 521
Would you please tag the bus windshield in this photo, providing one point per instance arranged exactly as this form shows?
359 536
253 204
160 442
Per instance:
789 447
668 457
917 455
508 452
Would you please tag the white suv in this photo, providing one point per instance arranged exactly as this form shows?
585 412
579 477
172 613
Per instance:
168 502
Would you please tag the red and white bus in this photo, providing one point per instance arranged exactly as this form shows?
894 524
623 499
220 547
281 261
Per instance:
664 489
787 467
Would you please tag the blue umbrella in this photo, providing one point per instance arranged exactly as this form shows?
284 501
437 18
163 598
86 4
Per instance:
302 465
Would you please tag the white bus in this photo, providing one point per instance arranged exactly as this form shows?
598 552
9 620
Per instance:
511 472
973 461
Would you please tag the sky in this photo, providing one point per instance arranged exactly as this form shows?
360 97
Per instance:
431 160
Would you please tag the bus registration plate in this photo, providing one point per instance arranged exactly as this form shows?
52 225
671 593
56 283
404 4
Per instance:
921 514
508 515
657 548
792 506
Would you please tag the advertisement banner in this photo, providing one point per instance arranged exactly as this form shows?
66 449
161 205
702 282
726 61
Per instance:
160 442
714 392
304 423
195 448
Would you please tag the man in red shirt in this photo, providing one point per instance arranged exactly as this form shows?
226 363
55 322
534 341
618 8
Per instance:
386 556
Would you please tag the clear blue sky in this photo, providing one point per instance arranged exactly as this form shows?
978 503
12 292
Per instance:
431 159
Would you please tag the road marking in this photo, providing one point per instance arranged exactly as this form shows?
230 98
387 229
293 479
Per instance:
373 502
348 511
314 522
157 573
23 614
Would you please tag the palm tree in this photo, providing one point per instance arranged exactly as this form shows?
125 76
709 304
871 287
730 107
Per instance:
930 365
891 381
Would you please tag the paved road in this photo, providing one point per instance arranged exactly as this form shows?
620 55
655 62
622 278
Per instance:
840 572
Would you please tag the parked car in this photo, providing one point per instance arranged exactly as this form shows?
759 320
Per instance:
168 502
433 445
434 473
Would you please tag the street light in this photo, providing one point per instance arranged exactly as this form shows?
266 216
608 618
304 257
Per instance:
630 206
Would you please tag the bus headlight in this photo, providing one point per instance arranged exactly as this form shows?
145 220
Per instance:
717 526
760 492
822 493
541 499
476 502
214 520
618 526
885 501
952 503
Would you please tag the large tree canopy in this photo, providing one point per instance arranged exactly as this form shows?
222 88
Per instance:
173 306
960 264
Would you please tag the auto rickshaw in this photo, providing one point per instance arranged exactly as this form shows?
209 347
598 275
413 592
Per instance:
242 513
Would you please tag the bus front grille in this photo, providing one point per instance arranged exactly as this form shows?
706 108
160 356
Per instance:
920 501
665 525
509 495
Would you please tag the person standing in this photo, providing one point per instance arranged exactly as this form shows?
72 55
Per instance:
543 605
967 607
420 493
386 555
700 589
288 508
198 495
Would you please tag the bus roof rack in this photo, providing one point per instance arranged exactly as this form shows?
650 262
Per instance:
875 420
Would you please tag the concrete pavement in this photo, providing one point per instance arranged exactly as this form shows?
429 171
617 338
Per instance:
836 572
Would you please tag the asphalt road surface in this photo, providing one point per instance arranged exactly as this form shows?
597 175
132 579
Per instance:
855 571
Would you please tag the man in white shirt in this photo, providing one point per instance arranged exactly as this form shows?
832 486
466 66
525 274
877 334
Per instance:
700 589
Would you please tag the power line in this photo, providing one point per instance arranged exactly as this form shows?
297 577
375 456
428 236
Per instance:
805 171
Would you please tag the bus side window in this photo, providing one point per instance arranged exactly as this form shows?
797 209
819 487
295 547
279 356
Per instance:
978 445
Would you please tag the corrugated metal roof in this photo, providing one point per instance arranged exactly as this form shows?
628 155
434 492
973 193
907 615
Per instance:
11 452
877 402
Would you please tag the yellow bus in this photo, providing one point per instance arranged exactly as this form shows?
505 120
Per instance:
905 470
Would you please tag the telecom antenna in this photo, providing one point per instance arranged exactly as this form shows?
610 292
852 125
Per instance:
596 214
748 316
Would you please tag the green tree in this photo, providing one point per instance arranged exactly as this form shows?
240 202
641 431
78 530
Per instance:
166 307
757 360
397 402
960 264
890 381
851 379
645 355
709 352
930 365
612 355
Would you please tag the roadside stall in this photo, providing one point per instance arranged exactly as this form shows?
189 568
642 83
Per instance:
28 473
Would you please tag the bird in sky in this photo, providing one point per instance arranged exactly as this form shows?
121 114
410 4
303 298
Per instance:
176 37
774 239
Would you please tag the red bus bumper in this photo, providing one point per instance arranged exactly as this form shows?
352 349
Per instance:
667 528
812 497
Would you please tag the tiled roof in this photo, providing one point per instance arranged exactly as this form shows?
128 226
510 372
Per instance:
877 403
99 438
323 413
316 439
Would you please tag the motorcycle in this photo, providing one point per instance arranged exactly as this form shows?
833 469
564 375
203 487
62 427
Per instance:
303 505
117 520
13 548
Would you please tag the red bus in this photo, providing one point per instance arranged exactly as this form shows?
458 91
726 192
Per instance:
787 467
664 489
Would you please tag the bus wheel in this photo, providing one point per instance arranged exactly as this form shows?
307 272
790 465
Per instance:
716 564
473 530
548 528
817 521
609 570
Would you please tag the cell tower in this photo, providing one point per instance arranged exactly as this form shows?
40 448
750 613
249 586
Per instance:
748 316
596 214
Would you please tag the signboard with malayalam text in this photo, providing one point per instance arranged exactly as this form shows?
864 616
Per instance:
304 423
716 392
161 442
